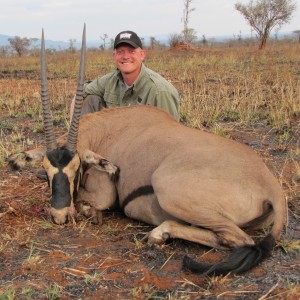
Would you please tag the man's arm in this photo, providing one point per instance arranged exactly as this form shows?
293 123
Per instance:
168 101
92 104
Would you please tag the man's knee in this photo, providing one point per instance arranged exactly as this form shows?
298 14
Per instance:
91 104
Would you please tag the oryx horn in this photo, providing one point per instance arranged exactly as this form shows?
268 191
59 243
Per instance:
73 132
48 121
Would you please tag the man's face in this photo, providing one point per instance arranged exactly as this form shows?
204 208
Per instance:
128 59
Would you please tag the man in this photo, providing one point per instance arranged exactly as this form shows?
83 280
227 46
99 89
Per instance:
131 83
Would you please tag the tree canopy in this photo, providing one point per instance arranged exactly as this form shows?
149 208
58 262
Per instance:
265 15
20 45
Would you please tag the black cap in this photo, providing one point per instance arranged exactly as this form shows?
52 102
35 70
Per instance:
128 37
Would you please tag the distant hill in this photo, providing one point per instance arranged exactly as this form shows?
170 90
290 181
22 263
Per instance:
61 45
58 45
163 39
4 40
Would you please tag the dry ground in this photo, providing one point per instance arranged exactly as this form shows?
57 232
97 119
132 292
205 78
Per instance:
81 261
40 260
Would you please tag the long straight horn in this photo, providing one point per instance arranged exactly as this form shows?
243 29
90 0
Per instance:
73 133
48 121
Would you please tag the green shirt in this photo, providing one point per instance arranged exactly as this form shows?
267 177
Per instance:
150 88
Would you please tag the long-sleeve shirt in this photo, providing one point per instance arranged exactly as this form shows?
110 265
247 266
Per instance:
149 88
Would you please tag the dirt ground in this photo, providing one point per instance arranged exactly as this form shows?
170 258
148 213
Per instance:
40 260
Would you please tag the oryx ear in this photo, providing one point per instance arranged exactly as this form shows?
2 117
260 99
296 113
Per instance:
101 164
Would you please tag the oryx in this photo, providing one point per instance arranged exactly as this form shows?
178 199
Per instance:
191 184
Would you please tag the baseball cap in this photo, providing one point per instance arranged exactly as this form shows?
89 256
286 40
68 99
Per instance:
128 37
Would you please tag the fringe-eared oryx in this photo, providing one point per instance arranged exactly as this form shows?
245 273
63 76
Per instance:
191 184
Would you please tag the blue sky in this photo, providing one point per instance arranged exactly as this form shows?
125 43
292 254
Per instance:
63 19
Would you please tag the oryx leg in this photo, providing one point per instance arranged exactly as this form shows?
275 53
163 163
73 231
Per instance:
172 229
203 206
172 223
100 163
145 208
20 160
97 193
207 232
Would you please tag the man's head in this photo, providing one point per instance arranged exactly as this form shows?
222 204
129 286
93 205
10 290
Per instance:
128 55
128 37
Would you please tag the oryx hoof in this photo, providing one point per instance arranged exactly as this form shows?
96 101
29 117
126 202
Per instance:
155 237
97 218
111 169
91 213
165 236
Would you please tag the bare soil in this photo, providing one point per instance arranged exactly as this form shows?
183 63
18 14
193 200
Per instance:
40 260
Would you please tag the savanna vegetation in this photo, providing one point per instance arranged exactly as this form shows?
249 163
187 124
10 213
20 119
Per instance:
239 92
240 86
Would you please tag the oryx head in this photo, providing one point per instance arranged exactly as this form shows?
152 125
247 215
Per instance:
62 164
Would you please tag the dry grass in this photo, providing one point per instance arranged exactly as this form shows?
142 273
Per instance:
232 84
227 91
242 86
221 89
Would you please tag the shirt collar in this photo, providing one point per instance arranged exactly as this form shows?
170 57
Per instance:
141 75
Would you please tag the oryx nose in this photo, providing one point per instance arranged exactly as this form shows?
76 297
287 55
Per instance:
59 216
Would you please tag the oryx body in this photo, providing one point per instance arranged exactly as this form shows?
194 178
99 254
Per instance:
191 184
171 172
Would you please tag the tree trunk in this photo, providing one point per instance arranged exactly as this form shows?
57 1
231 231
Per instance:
263 40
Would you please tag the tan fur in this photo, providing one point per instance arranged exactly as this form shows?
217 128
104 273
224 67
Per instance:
198 178
206 188
97 193
51 171
70 171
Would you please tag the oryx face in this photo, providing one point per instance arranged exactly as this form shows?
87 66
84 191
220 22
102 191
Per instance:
62 164
63 170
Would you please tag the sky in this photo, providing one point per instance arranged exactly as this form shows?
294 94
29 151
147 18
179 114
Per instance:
63 20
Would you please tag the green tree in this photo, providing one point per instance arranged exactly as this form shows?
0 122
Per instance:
20 45
35 47
265 15
154 43
204 40
111 43
103 37
297 32
175 39
72 47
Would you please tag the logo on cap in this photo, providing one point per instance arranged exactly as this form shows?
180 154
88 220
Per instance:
125 35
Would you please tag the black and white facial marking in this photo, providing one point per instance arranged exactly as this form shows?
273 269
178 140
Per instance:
63 169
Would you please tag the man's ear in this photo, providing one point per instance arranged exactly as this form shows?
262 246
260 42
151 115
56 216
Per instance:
143 54
114 54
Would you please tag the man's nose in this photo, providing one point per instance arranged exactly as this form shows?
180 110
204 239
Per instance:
125 55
